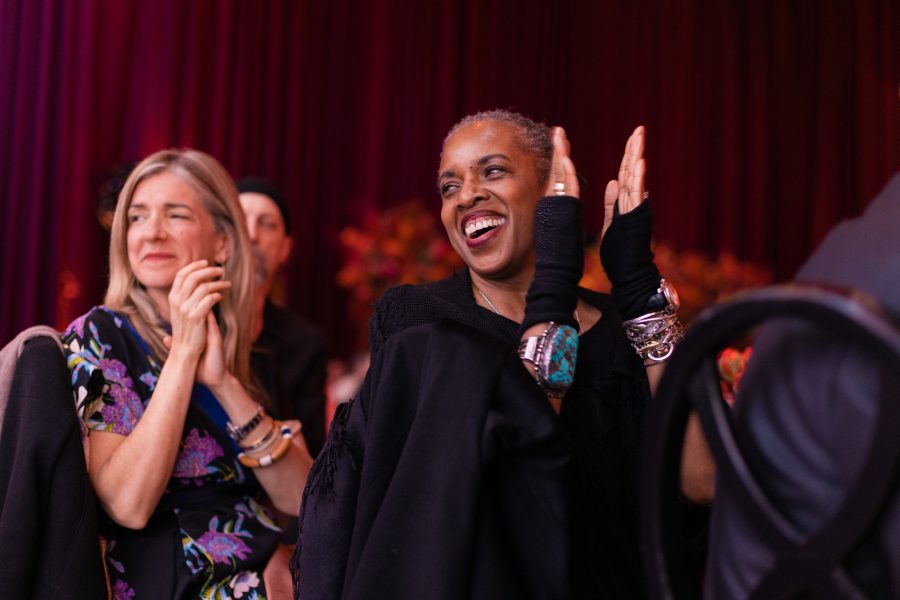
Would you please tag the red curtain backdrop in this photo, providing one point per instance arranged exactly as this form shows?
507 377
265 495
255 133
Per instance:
768 121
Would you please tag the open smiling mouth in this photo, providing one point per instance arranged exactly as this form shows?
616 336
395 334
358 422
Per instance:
482 225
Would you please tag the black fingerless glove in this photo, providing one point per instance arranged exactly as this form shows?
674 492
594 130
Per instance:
628 261
559 262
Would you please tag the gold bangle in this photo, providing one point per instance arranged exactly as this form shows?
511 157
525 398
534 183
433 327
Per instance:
264 461
261 440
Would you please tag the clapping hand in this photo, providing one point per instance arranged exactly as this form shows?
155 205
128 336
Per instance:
629 189
563 180
196 290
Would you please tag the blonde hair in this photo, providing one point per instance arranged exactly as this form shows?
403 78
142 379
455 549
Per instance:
219 196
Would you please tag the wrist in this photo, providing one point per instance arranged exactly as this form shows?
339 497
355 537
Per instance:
655 333
559 262
552 353
227 387
628 260
184 355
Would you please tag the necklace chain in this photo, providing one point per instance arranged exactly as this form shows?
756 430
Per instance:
494 308
488 300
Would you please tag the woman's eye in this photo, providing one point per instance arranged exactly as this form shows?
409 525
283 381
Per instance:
135 218
448 188
493 170
177 216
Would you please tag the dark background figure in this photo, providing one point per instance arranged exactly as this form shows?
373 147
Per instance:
289 355
108 194
809 401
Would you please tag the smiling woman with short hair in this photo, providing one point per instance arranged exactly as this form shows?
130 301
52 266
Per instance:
492 451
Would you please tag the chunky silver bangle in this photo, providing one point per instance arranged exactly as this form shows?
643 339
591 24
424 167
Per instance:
654 335
553 354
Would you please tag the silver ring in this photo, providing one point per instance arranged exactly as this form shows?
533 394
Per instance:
559 188
646 195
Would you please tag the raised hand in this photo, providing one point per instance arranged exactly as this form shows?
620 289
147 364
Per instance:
558 244
629 189
196 289
562 169
212 369
625 241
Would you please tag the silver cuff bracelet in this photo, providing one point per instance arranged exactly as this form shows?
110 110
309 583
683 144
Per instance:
654 335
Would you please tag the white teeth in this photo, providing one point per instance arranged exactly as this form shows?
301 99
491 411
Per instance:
483 223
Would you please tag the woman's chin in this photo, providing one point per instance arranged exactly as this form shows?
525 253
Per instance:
495 270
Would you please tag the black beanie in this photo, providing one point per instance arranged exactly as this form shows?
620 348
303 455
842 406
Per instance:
258 185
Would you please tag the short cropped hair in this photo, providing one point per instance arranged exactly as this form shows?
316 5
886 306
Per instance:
535 137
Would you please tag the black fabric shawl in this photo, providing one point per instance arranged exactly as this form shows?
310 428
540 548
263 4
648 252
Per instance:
443 479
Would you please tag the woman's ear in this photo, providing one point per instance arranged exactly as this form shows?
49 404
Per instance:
223 248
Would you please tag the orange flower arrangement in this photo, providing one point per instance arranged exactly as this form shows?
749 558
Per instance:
731 363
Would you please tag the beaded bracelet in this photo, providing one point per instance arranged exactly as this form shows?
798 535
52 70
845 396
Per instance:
264 461
239 433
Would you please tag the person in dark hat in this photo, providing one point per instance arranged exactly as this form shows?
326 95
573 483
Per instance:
289 354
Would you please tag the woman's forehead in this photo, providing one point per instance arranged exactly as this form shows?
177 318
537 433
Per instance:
481 138
166 187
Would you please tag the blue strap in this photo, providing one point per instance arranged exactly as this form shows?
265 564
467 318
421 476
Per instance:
204 399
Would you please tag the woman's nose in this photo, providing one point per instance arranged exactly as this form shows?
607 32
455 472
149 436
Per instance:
155 227
472 192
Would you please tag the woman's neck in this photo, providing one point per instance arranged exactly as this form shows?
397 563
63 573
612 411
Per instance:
504 297
160 300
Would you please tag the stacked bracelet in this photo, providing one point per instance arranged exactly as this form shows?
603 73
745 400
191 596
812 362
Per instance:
263 440
654 335
239 433
281 448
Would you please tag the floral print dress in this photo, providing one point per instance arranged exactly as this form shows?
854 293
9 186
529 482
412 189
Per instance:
208 538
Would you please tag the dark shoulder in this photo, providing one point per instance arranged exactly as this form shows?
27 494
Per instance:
401 295
288 325
410 305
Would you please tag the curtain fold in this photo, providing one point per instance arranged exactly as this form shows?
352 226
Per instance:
767 121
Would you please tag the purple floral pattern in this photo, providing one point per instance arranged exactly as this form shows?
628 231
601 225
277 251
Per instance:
197 452
77 326
122 591
223 547
127 408
149 379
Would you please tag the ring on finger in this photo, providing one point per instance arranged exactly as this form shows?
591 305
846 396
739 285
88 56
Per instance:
559 188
